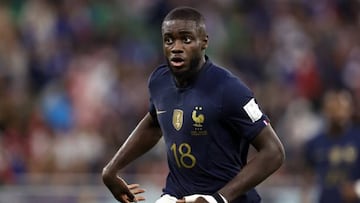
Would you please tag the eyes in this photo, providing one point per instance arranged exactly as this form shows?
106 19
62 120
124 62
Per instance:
186 39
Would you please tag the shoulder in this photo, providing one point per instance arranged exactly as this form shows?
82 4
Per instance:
231 90
159 73
224 77
231 84
219 72
354 133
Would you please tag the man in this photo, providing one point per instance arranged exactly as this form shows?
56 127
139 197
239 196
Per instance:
334 154
208 119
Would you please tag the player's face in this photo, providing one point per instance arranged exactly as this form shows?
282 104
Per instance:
183 46
338 109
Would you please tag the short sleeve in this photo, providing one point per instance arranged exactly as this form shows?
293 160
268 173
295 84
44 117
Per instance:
241 110
152 109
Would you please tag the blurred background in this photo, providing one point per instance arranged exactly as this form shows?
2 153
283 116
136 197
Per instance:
73 84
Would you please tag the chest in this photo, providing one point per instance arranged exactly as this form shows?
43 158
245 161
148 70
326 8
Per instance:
189 113
337 155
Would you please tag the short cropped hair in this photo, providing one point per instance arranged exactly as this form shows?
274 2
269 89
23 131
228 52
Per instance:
186 13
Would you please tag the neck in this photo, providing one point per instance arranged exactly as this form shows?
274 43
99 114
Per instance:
186 79
337 129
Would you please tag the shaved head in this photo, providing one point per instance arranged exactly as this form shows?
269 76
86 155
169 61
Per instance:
187 14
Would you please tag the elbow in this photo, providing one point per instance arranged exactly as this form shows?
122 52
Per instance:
278 157
107 175
282 157
273 157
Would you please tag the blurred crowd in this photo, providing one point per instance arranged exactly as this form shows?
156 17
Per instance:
73 73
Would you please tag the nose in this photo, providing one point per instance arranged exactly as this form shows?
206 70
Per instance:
177 47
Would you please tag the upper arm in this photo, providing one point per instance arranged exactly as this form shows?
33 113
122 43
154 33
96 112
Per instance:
149 126
268 141
142 138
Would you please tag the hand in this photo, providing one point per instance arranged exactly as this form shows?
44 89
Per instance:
135 189
348 192
123 192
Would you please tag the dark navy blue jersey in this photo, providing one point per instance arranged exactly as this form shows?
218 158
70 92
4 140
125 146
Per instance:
335 161
207 128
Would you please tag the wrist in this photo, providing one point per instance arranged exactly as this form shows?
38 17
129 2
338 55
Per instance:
357 188
219 198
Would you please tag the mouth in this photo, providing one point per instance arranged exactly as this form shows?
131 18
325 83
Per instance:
177 62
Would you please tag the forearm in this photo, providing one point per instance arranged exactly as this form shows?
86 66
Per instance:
248 178
141 140
256 171
269 157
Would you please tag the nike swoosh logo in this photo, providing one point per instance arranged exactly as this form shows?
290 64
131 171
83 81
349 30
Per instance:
160 112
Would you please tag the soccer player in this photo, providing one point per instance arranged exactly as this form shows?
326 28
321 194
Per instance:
333 155
208 119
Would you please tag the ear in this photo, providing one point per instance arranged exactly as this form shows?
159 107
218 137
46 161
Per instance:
204 43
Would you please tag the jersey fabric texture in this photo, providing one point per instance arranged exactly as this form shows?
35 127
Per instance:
335 160
207 128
